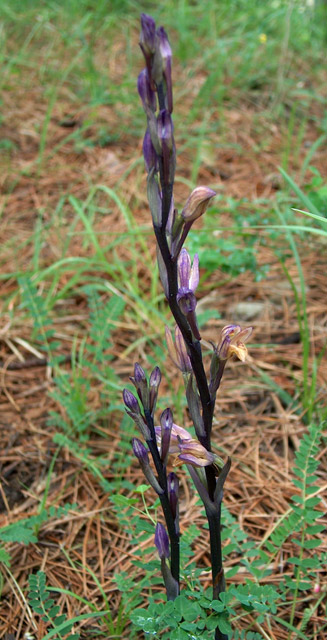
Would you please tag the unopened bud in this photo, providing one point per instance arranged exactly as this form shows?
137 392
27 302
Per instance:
154 382
161 541
166 421
140 451
141 385
130 401
166 138
197 203
148 33
146 93
165 53
149 153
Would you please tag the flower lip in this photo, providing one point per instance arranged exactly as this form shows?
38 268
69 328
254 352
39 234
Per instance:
232 339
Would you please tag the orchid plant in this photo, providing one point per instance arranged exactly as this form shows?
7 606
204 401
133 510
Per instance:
180 278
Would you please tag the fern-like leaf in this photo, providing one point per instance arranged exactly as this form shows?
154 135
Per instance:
42 604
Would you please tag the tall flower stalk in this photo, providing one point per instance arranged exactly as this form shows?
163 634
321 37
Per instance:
179 277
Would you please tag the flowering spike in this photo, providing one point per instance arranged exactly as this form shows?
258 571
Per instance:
161 541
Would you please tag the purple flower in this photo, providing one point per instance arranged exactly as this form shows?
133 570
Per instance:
166 422
130 401
149 153
165 52
148 39
140 451
154 382
178 351
166 138
189 449
188 279
161 541
141 385
146 93
232 339
148 33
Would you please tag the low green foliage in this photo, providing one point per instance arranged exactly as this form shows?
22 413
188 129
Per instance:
42 604
25 531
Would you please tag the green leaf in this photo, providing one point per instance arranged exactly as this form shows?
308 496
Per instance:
224 625
4 557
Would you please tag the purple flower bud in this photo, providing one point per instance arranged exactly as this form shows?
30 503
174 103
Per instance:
130 401
149 153
140 451
148 33
146 94
166 138
141 385
161 541
139 375
154 382
188 281
178 351
181 351
173 487
188 276
155 378
165 52
166 421
142 455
